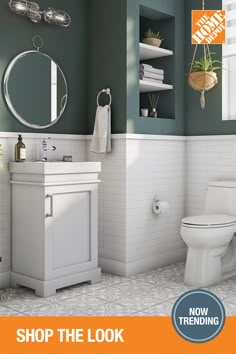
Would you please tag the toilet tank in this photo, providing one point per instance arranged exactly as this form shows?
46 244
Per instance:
221 198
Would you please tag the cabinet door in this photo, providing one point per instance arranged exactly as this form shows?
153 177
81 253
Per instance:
71 230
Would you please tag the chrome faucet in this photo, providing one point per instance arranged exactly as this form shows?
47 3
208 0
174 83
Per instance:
46 148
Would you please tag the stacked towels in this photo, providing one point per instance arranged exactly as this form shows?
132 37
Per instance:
148 73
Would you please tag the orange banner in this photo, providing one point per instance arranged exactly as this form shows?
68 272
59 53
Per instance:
133 335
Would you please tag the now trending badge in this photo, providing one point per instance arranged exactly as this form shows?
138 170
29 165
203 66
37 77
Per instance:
198 316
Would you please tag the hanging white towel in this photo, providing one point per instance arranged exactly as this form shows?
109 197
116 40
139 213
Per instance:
101 141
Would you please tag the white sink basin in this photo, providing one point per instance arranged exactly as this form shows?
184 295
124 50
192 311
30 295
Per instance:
54 167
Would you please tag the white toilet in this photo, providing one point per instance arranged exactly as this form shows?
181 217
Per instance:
210 237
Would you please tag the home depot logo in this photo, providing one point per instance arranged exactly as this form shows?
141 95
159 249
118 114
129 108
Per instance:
208 27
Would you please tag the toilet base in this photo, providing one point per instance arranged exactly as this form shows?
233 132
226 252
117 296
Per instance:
228 262
203 267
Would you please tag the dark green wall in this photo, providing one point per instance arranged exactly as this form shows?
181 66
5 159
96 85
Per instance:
68 46
135 123
107 59
209 121
101 49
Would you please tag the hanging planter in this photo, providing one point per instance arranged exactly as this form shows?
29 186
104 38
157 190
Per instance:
202 80
202 75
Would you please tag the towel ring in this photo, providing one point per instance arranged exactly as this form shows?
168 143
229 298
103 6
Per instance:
107 92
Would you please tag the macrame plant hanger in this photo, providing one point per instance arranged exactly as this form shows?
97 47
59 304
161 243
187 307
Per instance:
203 80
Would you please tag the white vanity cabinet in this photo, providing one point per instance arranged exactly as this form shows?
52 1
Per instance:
54 225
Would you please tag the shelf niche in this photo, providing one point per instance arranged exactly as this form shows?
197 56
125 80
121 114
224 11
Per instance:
164 59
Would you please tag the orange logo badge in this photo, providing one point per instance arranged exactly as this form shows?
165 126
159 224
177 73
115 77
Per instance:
208 27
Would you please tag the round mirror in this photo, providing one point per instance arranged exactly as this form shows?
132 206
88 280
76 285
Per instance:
35 89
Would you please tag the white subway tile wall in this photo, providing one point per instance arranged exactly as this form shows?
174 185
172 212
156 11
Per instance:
154 168
131 238
112 208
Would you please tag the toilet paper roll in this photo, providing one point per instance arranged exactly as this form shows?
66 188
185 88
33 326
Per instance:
160 207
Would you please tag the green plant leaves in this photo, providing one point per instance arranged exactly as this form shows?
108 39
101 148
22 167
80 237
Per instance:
151 34
206 63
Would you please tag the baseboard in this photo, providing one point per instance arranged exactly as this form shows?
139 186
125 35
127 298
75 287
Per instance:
4 280
112 266
143 265
160 260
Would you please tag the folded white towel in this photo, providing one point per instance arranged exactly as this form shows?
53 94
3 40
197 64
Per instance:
101 141
146 66
151 76
153 80
151 69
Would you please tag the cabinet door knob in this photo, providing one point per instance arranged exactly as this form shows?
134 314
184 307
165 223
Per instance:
50 215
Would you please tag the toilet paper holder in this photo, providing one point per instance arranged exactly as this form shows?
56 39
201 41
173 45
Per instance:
159 207
155 206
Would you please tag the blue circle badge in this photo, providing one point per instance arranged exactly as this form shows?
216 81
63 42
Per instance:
198 316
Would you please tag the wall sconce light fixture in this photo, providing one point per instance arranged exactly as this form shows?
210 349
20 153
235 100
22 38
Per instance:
57 17
32 11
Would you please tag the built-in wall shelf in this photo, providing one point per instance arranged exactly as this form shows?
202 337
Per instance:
149 86
162 59
150 52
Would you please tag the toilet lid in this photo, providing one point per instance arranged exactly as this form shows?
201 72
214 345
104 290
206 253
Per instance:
210 220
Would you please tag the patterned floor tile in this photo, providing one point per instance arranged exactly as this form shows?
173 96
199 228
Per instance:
5 291
170 271
139 302
223 290
86 288
149 294
79 314
141 314
177 278
82 303
163 309
24 303
154 278
230 311
52 310
135 286
111 280
230 305
111 309
231 299
167 291
110 294
60 296
4 311
11 293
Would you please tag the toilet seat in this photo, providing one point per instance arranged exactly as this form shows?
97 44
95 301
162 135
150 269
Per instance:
209 221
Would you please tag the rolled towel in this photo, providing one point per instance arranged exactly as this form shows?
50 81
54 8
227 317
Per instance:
151 69
151 76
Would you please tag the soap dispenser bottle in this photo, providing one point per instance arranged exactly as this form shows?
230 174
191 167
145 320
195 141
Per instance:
20 150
